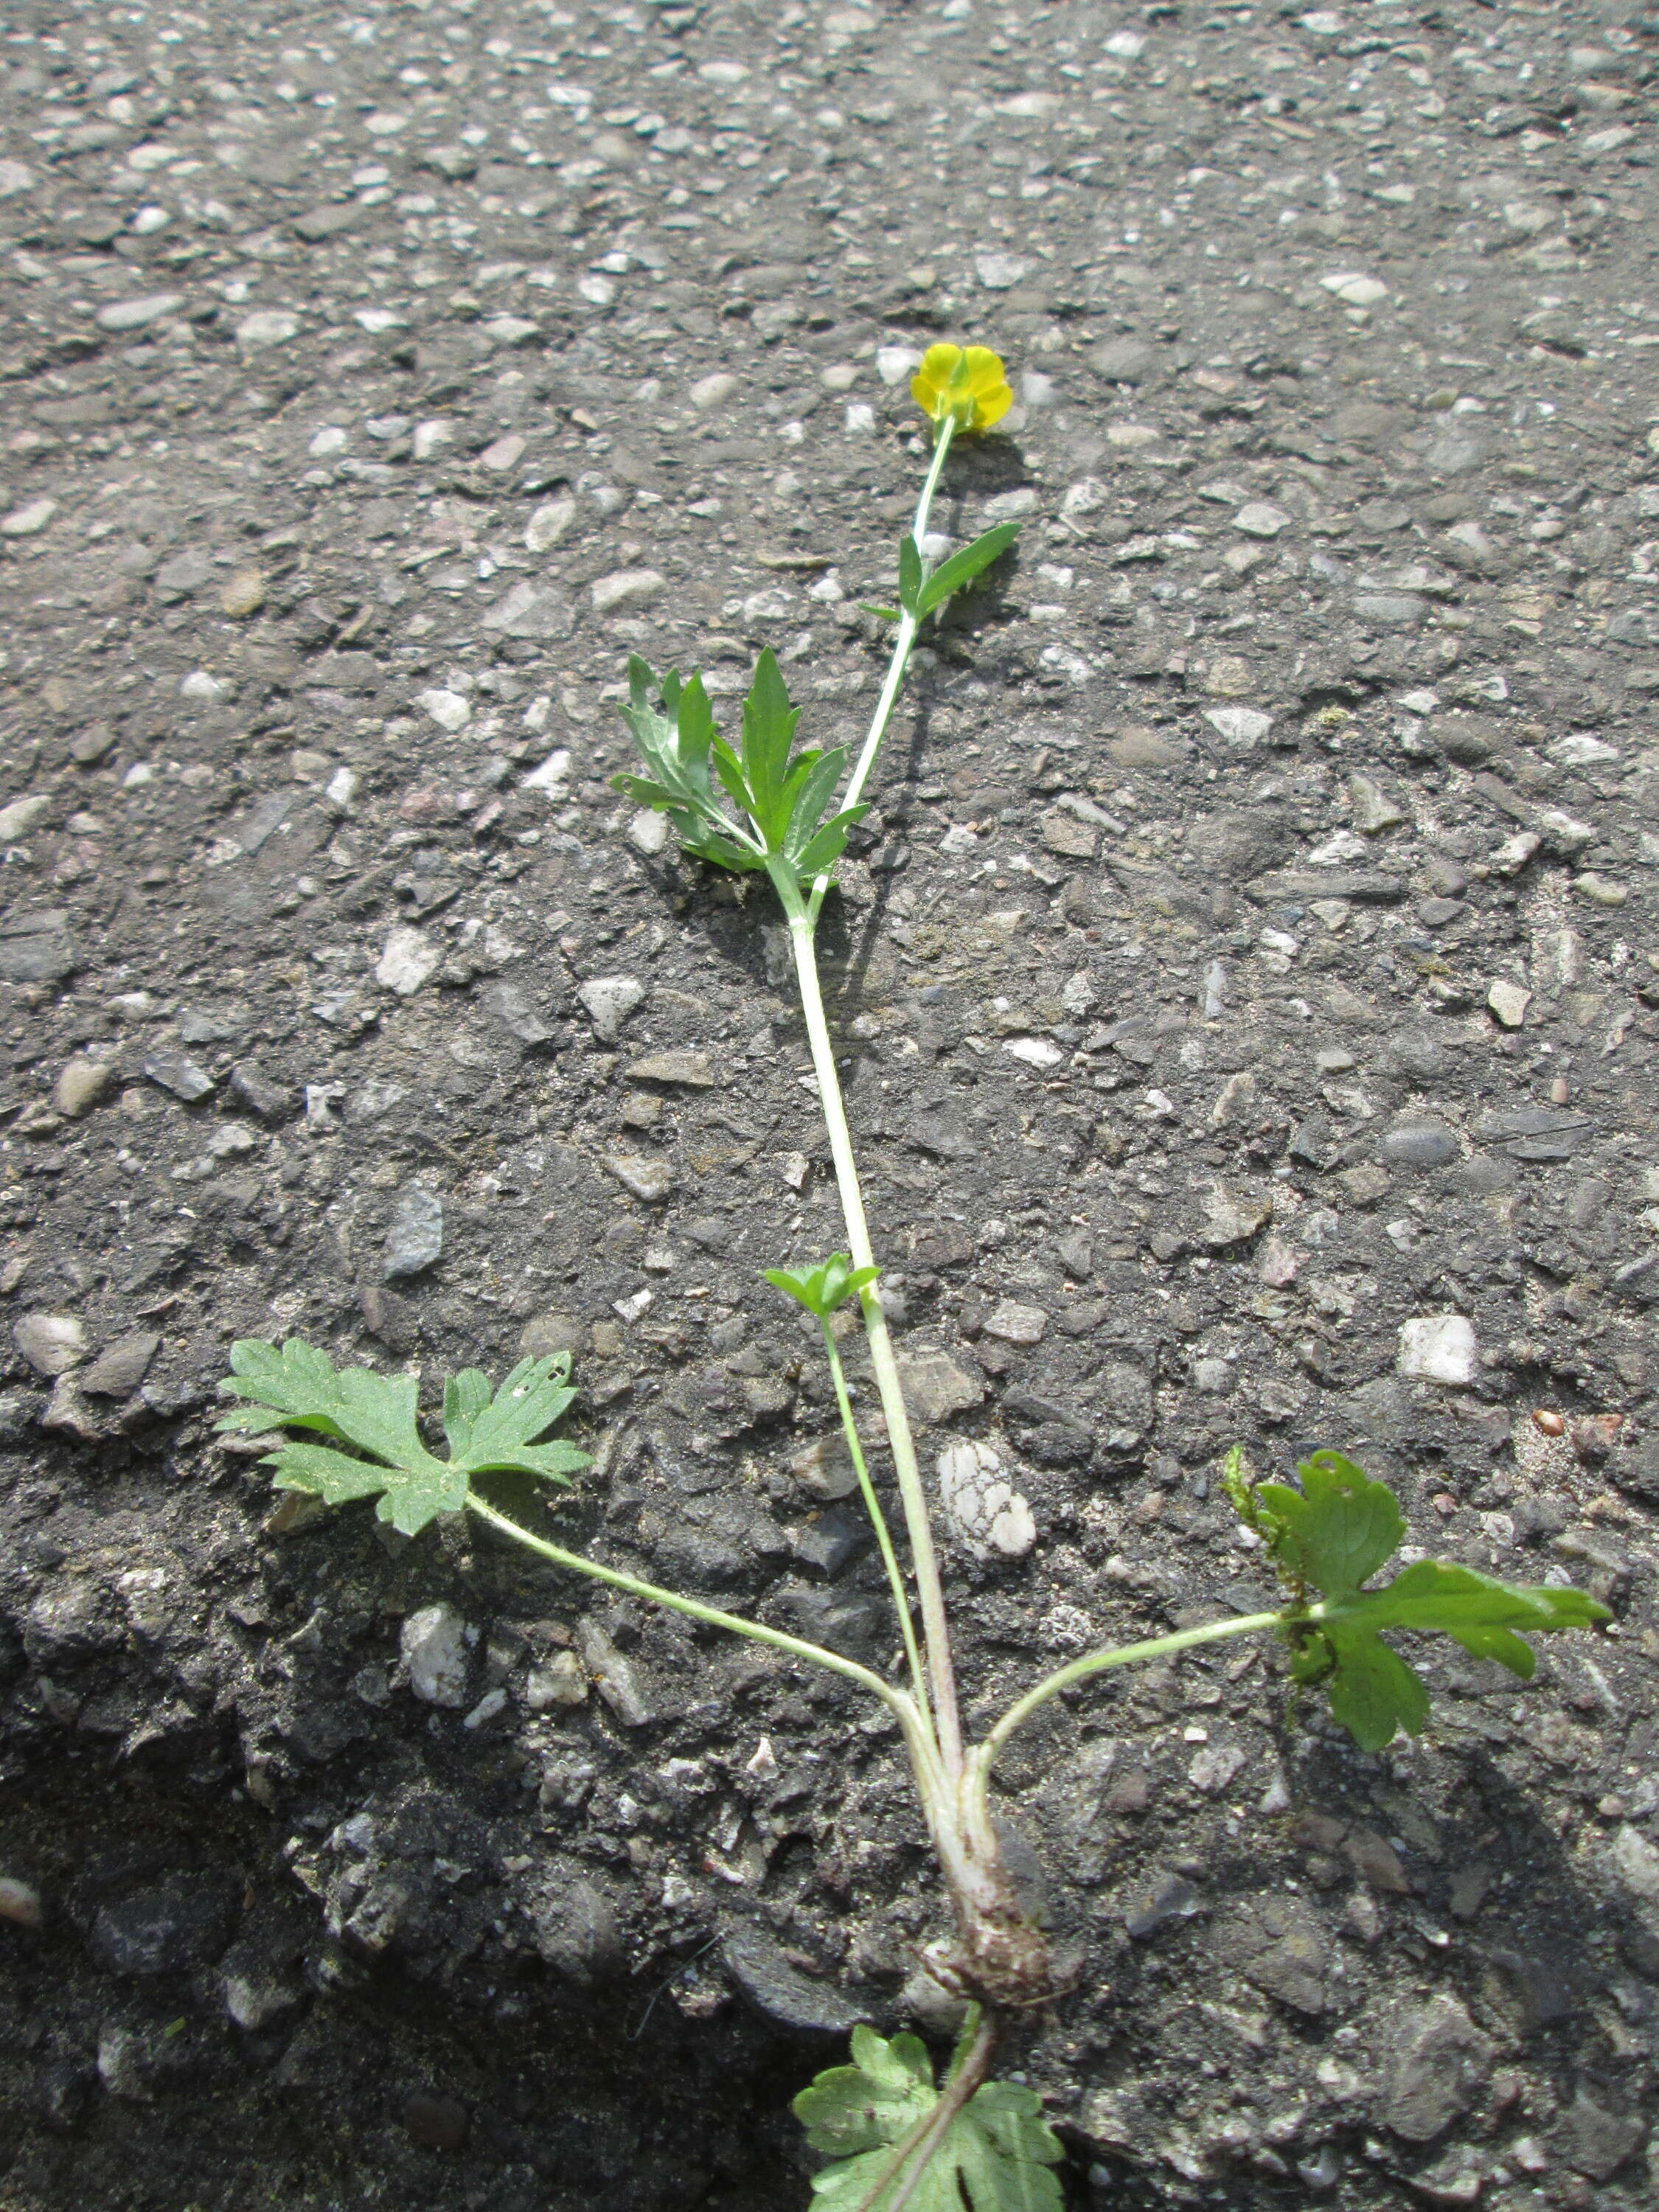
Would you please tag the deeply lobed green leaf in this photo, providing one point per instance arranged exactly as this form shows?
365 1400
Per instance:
779 797
997 2154
1339 1528
299 1387
1328 1539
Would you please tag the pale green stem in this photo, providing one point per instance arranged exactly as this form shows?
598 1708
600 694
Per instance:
935 1629
1103 1662
878 1520
896 667
798 1648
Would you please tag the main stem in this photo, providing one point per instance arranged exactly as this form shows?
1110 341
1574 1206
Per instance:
894 682
878 1520
935 1628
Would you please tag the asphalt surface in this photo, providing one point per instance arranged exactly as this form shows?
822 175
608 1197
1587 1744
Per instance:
1247 983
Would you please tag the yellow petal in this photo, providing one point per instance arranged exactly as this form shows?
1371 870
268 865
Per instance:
929 385
983 370
992 407
966 384
940 362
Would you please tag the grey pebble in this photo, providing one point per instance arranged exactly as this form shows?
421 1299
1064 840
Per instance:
618 1682
36 948
121 1368
271 1102
81 1082
781 1992
414 1236
50 1343
168 1927
175 1071
1122 361
648 1179
137 315
515 1009
1439 912
609 999
433 1642
1420 1145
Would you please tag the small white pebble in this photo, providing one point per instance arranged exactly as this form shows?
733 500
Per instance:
20 1903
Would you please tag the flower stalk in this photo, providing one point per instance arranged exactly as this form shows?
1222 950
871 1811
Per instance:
899 661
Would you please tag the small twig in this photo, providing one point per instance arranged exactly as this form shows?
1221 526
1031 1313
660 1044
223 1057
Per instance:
702 1952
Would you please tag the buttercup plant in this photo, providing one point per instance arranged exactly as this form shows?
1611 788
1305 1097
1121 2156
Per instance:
892 2138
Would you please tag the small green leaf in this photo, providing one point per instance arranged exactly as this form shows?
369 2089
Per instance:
768 730
299 1387
997 2154
909 575
1330 1537
813 791
884 614
823 1288
489 1433
959 571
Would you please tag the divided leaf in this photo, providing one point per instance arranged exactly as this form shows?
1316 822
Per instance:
491 1434
996 2155
1372 1690
779 797
1338 1529
299 1387
676 743
1329 1538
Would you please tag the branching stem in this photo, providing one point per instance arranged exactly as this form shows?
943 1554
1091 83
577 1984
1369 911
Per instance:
1102 1663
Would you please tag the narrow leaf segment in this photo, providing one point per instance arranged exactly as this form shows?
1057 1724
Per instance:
960 570
298 1387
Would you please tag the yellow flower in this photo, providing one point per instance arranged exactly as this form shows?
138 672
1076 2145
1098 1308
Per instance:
969 385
